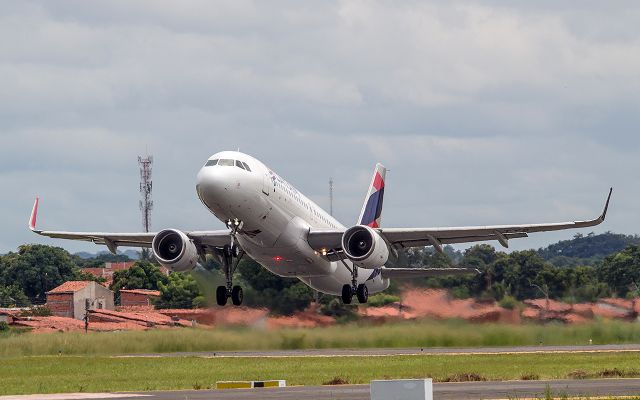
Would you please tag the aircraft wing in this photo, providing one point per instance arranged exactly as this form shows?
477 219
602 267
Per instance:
330 241
425 272
115 239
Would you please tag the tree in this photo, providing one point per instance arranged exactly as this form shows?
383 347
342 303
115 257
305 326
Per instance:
13 296
281 295
587 250
522 269
479 256
621 271
181 291
142 275
36 269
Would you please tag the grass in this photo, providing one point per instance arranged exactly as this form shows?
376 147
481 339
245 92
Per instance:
408 334
53 374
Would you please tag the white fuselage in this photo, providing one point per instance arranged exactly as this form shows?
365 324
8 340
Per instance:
277 219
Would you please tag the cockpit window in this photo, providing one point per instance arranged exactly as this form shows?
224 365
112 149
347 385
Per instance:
211 162
225 162
239 164
246 166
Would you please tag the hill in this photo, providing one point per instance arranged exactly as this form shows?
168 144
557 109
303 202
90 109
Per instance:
586 250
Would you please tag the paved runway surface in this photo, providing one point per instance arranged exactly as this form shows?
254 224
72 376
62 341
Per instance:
404 351
462 391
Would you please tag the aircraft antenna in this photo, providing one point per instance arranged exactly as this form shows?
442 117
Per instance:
146 204
331 196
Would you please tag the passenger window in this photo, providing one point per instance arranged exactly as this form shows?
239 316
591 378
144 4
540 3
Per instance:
246 166
239 164
226 162
211 162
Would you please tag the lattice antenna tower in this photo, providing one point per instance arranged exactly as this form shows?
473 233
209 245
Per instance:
146 185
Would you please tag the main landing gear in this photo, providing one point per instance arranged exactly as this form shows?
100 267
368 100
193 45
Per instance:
227 255
360 290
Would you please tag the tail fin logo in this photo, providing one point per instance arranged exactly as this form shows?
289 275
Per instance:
372 208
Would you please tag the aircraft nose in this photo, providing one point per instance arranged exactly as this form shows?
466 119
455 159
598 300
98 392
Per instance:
211 184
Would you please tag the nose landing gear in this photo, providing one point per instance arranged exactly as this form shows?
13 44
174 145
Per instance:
227 255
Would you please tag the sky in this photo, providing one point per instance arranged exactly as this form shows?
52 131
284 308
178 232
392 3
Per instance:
485 112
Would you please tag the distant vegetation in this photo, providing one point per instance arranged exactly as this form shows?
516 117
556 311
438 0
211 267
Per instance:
599 266
26 275
587 250
581 269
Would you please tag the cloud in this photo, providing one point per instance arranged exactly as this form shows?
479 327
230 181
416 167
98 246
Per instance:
485 112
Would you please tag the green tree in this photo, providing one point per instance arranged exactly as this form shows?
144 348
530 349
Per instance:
142 275
281 295
181 291
37 268
522 269
587 249
479 256
13 296
621 271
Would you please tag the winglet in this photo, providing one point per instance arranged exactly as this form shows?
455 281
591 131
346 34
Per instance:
34 215
606 206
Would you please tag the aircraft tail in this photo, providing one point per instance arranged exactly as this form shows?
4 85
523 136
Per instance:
372 207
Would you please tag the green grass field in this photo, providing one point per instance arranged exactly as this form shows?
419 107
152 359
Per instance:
408 334
72 362
49 374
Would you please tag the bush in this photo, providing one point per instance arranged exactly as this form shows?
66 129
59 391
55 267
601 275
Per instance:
508 302
37 311
334 307
4 326
181 291
382 299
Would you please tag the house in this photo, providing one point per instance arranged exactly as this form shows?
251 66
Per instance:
73 298
138 297
108 269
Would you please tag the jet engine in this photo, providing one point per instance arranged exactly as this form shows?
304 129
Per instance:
365 247
174 250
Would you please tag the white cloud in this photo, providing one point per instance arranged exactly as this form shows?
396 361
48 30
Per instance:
484 111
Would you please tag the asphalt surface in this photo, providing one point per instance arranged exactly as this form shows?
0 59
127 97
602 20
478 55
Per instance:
441 391
401 351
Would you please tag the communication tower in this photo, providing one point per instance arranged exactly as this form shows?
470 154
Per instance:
146 204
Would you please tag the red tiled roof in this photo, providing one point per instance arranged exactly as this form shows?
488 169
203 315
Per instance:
119 266
70 287
145 292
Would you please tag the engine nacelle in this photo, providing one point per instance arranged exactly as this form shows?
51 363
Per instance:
365 247
174 250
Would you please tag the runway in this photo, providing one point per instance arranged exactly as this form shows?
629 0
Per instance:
444 391
400 351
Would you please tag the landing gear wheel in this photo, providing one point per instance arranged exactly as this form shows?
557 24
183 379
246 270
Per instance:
363 293
347 295
221 295
236 295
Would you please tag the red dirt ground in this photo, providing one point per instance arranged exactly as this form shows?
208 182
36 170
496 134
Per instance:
414 304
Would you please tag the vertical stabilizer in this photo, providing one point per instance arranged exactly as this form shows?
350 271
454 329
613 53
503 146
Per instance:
372 207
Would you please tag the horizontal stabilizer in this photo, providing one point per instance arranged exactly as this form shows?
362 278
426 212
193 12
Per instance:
426 272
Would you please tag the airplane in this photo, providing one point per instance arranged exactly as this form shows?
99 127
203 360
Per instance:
269 220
